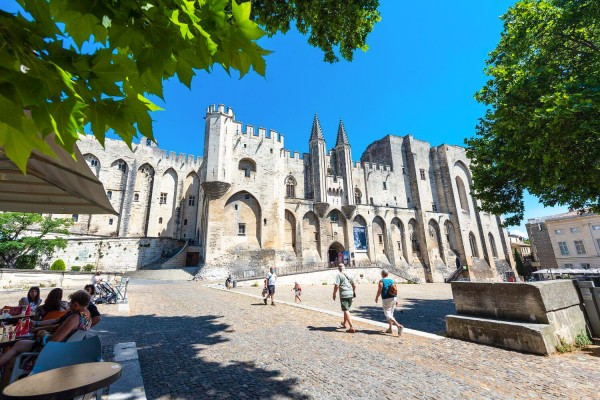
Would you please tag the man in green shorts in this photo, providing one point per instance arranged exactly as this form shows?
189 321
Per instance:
345 284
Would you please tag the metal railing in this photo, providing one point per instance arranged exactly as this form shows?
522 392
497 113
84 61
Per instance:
257 273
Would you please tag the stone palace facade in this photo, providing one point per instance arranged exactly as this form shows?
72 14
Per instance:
248 203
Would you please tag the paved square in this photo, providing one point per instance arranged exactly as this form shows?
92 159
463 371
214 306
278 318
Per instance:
422 307
196 342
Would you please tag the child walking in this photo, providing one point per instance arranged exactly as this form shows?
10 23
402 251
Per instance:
297 292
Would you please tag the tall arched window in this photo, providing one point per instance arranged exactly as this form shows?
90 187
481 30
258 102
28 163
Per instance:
290 187
493 245
462 194
473 244
414 241
357 196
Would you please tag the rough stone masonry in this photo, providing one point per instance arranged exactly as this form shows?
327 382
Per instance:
249 203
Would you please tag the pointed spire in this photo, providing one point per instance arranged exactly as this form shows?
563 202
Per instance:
316 132
341 136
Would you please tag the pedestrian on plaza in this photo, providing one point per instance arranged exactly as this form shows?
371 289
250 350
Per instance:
270 285
297 293
228 282
388 292
347 289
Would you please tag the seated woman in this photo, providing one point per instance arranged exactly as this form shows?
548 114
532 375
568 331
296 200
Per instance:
94 313
53 303
79 319
33 298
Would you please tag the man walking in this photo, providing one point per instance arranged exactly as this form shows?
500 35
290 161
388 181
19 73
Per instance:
387 290
270 284
346 286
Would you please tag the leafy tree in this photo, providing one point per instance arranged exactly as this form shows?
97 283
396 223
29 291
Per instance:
73 63
541 132
519 263
19 245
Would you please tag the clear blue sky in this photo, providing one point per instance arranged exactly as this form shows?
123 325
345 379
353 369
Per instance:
425 61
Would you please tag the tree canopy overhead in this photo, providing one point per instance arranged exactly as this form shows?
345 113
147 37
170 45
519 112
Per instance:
541 132
72 63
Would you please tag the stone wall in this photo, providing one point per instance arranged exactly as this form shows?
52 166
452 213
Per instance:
249 202
115 254
23 279
533 317
155 192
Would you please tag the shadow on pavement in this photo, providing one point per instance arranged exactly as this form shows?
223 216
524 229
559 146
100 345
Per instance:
420 314
170 351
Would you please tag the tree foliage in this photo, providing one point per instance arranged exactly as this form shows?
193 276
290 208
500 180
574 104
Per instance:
74 63
541 132
520 267
330 24
24 237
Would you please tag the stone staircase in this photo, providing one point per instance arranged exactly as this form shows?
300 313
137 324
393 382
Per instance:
175 274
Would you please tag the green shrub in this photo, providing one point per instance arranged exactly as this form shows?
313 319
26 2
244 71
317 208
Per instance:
255 284
89 267
75 268
324 283
58 265
563 346
582 340
27 261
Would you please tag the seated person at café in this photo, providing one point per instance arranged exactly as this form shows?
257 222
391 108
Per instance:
95 315
79 319
33 298
53 302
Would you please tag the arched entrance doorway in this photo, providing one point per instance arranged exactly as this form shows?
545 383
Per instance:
335 254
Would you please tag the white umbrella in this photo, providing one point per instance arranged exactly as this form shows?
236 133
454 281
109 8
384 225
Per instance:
52 185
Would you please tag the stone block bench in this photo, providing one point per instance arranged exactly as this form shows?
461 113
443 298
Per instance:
530 317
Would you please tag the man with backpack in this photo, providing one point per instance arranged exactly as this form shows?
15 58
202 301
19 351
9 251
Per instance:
347 289
388 291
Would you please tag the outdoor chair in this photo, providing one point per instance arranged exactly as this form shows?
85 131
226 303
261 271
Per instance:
74 341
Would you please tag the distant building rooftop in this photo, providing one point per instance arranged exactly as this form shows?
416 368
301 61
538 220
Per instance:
557 217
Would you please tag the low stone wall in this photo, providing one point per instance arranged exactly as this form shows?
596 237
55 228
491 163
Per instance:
114 254
533 317
22 279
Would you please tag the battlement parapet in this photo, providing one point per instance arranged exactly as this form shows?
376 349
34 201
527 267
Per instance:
368 166
220 108
293 154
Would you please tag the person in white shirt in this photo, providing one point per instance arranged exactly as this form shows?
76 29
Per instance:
96 278
270 285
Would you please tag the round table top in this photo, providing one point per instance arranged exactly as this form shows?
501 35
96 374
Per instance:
64 383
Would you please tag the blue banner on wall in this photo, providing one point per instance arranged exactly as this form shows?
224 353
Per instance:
360 238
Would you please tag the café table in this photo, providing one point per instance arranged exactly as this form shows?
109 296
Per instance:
64 383
13 320
11 343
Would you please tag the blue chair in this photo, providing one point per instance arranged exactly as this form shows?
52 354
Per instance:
61 354
57 354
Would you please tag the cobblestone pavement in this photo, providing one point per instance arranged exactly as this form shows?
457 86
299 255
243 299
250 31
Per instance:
422 307
195 342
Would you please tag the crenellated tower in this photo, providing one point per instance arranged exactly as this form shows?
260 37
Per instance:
218 145
318 169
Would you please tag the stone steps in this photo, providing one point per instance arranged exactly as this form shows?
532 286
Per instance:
175 274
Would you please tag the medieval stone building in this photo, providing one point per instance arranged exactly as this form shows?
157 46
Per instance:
248 203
